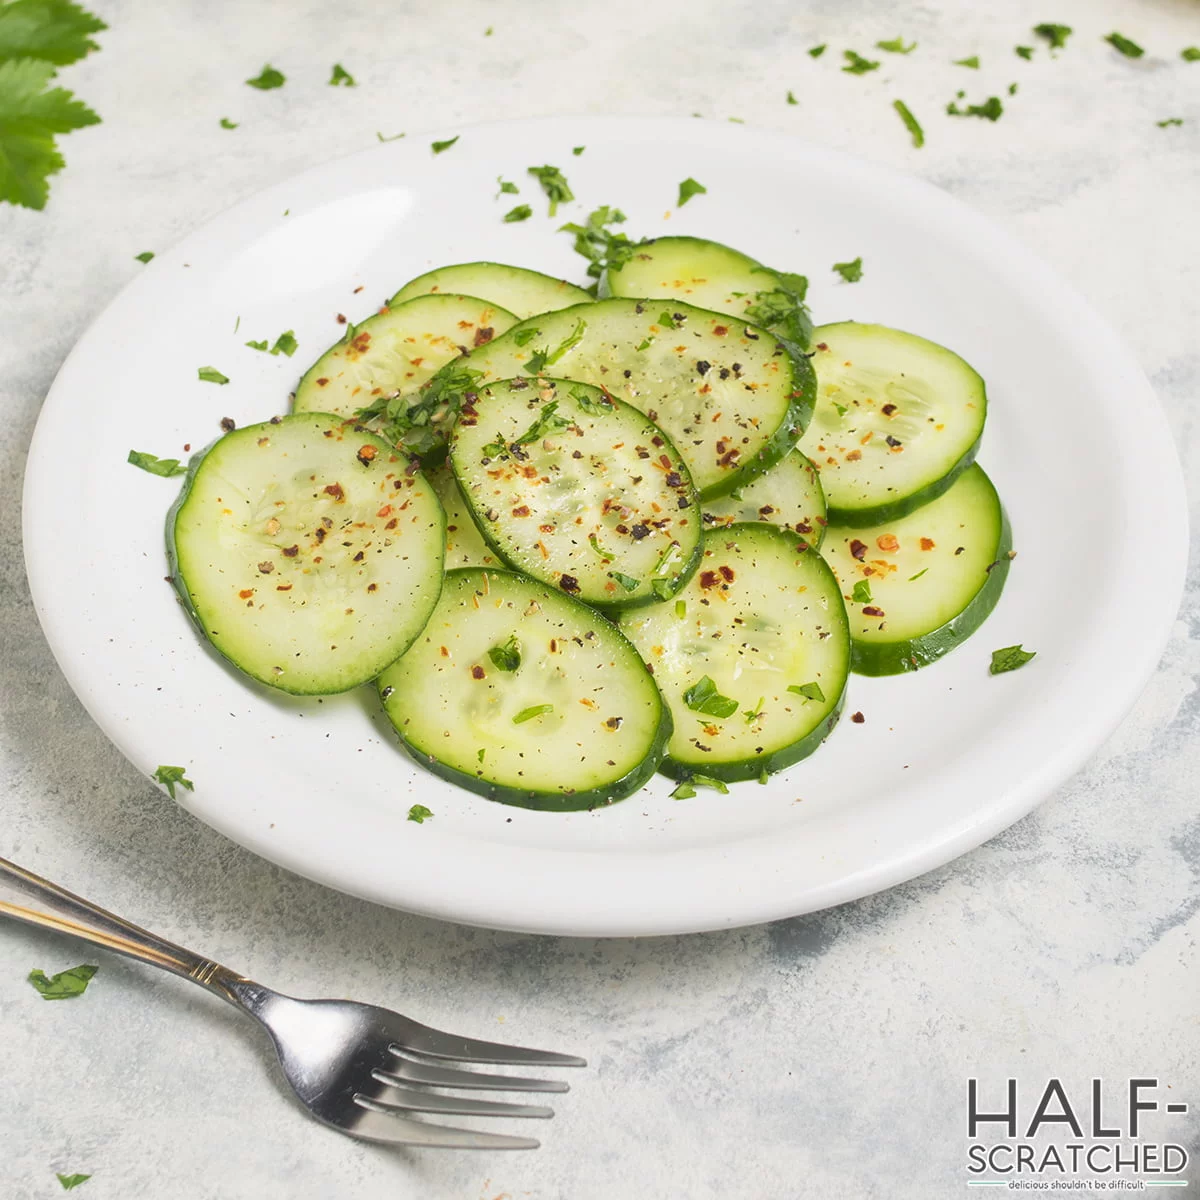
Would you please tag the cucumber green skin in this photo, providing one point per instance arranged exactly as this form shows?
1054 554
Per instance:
895 658
893 510
415 286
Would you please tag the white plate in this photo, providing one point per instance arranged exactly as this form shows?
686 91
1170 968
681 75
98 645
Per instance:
1075 442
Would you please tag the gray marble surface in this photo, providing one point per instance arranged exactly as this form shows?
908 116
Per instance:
821 1056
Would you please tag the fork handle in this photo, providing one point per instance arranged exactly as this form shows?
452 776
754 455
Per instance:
37 901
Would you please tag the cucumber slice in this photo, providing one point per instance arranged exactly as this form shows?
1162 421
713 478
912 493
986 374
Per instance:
397 350
464 545
710 275
926 581
728 395
788 495
898 419
760 616
575 722
519 290
578 490
307 551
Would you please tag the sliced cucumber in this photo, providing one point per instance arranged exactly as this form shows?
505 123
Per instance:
578 490
898 419
516 289
788 495
464 545
760 618
397 350
307 551
728 395
924 582
518 692
710 275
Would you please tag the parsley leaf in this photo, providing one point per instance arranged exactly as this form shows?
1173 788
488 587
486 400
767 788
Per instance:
521 213
30 115
54 31
268 79
71 1181
1190 54
626 581
810 691
606 555
540 359
145 256
419 813
438 147
1169 121
1009 659
755 712
507 187
681 609
212 375
910 123
66 985
856 64
524 336
165 467
896 46
259 345
1128 48
972 62
914 578
285 343
600 245
418 425
687 789
578 150
1056 35
554 184
547 424
851 271
341 77
170 777
703 697
600 407
534 710
1025 52
817 51
507 655
689 188
393 138
991 109
791 99
861 592
226 123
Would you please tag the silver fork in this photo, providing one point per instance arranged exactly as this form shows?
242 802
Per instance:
356 1067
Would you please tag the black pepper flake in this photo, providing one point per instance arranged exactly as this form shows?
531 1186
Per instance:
569 584
891 441
627 374
622 528
959 550
290 551
888 409
613 722
674 479
640 531
702 367
228 424
684 502
723 373
387 691
858 549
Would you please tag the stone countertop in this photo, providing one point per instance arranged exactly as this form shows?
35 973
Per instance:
821 1056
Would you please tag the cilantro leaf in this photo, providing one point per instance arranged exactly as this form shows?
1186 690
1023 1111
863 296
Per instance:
285 343
578 150
1009 659
524 336
259 345
810 691
606 555
896 46
439 147
1128 48
689 188
972 62
851 271
394 137
521 213
507 188
1190 54
145 256
598 244
1169 121
861 592
600 407
419 425
267 79
991 109
506 656
856 64
419 813
30 115
791 99
568 343
66 985
910 123
703 697
626 581
817 51
755 712
71 1181
212 375
226 123
914 578
1056 35
683 791
170 777
54 31
1025 52
165 467
554 184
1012 89
547 424
687 789
534 710
341 77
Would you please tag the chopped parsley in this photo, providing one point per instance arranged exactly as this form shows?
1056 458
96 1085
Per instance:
1190 54
419 813
972 62
1056 35
910 123
394 137
817 51
411 423
1009 659
171 777
285 343
896 46
341 77
991 109
687 789
756 712
521 213
145 256
681 609
156 466
1169 121
524 336
540 359
661 588
269 78
856 64
507 187
547 424
763 777
1128 48
703 697
626 581
263 345
66 985
606 555
554 184
1025 52
71 1181
791 99
493 450
599 244
810 691
596 408
226 123
534 710
689 188
439 147
578 150
1012 89
488 33
212 375
782 309
914 578
507 655
861 592
851 271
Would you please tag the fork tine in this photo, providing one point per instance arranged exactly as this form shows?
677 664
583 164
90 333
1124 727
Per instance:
421 1039
412 1100
376 1125
408 1070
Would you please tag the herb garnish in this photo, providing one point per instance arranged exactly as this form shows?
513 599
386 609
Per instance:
782 309
521 213
419 813
419 425
810 691
689 188
341 77
1025 52
817 51
1169 121
212 375
594 542
1128 48
268 79
851 271
861 592
506 187
756 712
226 123
681 609
66 985
991 109
524 336
856 64
626 581
914 578
540 359
258 345
791 99
578 150
910 123
507 655
71 1181
596 408
1056 35
1190 54
439 147
165 467
703 697
285 343
170 777
394 137
554 184
972 62
1009 659
598 244
145 256
896 46
687 789
534 710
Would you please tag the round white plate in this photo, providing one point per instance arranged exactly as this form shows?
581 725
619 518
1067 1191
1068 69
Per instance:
944 759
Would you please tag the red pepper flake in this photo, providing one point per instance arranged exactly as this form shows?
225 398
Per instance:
359 556
266 567
284 587
290 551
613 722
246 593
385 511
322 381
392 523
927 543
362 341
371 587
857 718
484 335
822 346
708 579
726 573
569 584
366 454
871 611
888 409
522 510
858 549
477 672
888 543
854 456
444 652
335 490
720 330
341 318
